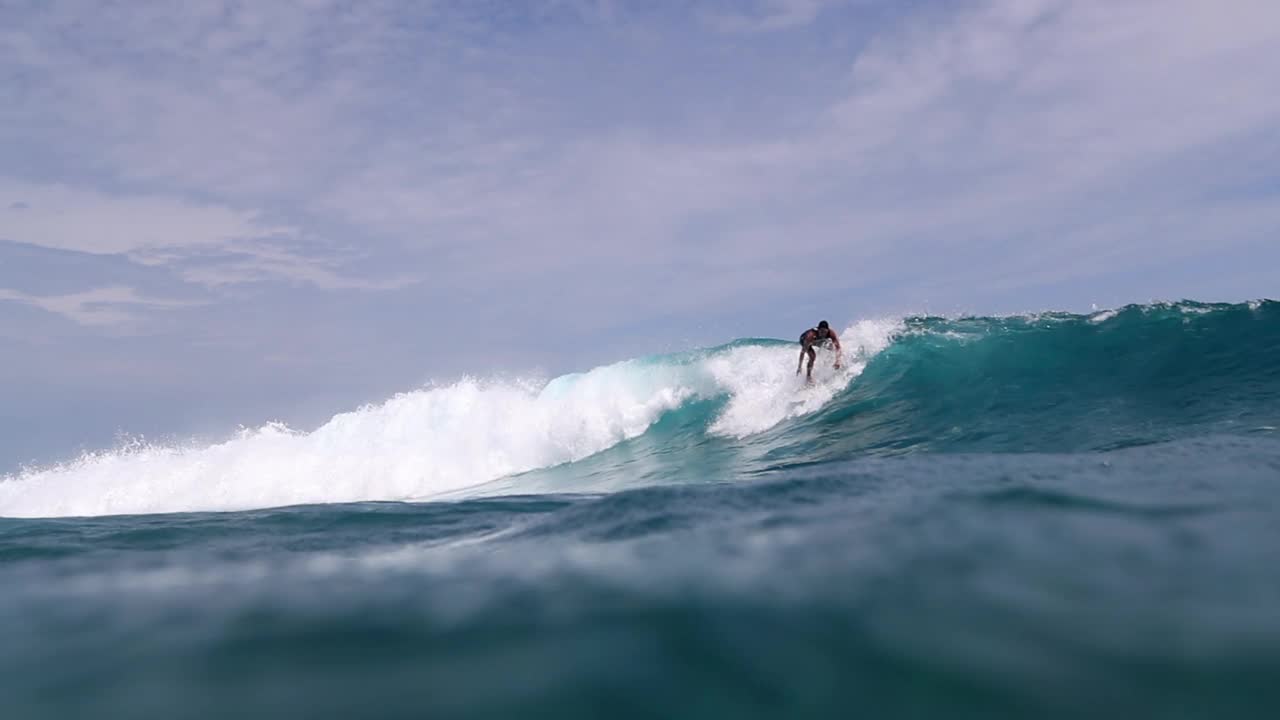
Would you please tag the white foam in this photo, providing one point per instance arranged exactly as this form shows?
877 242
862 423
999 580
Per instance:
1103 316
434 441
764 389
1194 310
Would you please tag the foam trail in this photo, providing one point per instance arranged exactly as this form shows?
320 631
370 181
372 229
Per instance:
426 443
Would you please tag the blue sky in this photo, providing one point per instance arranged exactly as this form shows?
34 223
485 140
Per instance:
217 212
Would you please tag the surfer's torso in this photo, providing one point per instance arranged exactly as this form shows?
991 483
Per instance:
813 337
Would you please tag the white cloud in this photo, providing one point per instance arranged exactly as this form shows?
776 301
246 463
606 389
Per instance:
66 218
98 308
206 244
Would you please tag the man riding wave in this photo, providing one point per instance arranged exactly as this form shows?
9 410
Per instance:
821 335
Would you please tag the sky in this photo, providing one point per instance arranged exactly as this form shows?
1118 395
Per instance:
217 213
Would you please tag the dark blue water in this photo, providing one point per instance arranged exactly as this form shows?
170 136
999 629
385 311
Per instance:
1050 516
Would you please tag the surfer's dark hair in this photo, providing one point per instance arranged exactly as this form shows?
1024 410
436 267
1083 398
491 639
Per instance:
823 325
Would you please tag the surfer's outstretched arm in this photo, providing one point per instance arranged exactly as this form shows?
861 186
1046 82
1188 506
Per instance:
839 350
801 362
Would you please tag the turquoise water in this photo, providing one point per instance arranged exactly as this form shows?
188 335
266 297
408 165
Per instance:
1036 516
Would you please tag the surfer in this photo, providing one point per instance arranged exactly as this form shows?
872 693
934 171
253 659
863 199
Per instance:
822 335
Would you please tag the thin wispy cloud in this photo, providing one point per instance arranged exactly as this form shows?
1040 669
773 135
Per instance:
766 15
108 307
65 217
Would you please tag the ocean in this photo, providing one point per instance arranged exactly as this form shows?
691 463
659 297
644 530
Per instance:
1049 515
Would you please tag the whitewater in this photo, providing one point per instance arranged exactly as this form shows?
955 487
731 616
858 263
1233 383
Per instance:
1049 515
